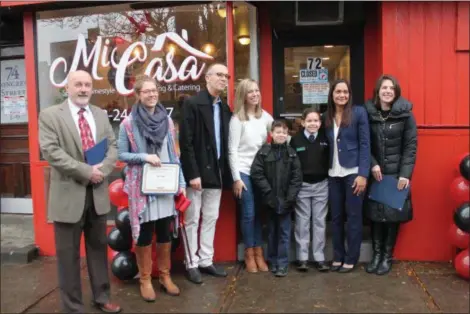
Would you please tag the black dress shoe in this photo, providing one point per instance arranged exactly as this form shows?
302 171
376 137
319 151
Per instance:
335 267
214 271
322 266
194 275
344 270
302 266
281 272
273 268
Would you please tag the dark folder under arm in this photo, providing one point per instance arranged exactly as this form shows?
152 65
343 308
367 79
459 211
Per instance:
386 192
97 153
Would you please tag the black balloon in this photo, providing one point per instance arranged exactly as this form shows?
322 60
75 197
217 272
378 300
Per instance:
465 167
462 217
119 241
124 265
123 223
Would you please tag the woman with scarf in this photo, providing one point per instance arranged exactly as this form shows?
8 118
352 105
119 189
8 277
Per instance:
147 135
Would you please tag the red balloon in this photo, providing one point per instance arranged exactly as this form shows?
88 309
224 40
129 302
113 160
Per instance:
462 264
460 191
459 238
117 196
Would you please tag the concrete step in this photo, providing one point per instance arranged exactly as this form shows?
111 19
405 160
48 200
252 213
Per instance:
365 255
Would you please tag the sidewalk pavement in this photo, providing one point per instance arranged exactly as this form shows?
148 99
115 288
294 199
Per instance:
409 288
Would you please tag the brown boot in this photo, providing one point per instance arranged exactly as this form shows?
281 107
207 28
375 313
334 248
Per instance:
144 262
250 264
259 258
164 265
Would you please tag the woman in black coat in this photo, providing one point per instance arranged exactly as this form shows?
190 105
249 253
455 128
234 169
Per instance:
393 148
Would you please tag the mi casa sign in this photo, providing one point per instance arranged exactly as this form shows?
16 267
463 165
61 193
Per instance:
164 70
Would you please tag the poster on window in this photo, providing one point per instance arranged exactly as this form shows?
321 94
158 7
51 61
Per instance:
315 93
13 92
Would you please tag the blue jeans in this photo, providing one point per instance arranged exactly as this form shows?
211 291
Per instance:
279 239
343 201
250 216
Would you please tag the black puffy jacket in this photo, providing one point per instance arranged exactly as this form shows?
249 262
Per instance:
393 148
276 173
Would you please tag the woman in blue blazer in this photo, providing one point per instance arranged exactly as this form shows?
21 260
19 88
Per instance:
347 130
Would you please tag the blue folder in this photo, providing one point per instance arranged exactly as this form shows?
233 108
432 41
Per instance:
387 193
97 153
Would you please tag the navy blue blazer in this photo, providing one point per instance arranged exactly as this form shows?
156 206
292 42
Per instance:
353 142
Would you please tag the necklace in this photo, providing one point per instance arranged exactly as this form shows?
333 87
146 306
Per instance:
382 117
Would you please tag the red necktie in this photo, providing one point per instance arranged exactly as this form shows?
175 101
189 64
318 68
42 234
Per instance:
85 131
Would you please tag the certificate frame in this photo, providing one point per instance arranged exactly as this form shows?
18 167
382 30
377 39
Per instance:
169 173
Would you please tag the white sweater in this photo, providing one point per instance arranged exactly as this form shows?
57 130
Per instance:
244 140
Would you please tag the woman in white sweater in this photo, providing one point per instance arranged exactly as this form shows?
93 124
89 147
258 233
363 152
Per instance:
248 132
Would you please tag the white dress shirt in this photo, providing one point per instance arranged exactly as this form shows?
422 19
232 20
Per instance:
87 115
337 170
307 134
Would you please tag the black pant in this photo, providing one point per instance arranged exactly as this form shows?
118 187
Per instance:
162 228
67 240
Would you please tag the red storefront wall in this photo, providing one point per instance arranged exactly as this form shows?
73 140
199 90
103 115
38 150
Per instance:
425 45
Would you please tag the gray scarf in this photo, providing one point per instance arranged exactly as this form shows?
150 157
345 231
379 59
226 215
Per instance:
152 127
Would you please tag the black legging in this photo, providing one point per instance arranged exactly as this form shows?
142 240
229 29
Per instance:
161 227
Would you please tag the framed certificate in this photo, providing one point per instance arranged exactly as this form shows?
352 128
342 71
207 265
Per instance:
160 180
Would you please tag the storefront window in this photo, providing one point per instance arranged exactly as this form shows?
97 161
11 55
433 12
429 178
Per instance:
116 43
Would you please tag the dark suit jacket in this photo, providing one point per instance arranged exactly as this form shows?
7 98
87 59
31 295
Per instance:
353 142
197 142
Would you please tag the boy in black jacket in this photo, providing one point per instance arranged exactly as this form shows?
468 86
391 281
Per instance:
276 173
311 208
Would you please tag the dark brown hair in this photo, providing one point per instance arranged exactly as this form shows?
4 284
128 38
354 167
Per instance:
378 85
331 107
310 110
278 124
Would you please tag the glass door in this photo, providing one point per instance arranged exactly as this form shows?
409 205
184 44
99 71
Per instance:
306 61
308 72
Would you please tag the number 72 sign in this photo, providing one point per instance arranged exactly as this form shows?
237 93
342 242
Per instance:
314 73
314 63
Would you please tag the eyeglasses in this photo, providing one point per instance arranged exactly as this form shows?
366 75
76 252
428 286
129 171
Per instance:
149 91
222 75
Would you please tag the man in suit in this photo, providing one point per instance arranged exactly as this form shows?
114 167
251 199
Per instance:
204 159
78 194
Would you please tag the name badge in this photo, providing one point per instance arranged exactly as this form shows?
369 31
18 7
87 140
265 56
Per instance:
300 149
323 143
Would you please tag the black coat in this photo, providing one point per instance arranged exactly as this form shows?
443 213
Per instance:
277 174
393 148
197 142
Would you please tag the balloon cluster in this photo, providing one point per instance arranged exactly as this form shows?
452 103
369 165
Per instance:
124 263
459 232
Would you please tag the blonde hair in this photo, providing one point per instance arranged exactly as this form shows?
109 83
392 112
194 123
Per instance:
139 83
240 100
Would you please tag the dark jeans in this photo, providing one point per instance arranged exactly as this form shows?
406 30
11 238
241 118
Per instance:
342 200
279 227
161 227
250 217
